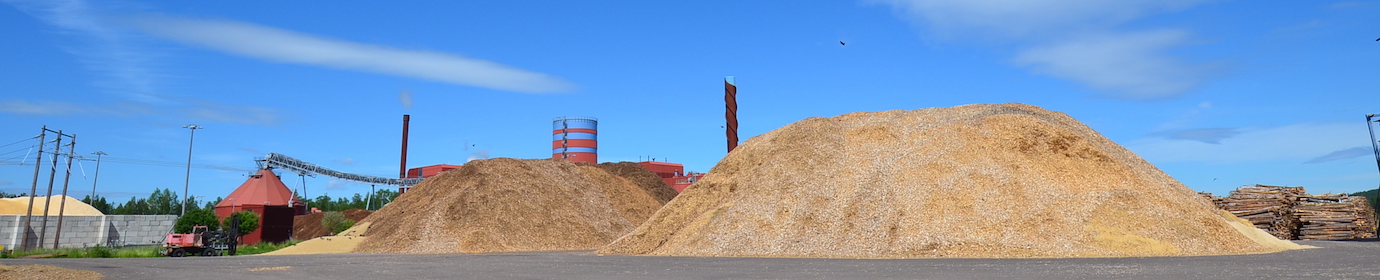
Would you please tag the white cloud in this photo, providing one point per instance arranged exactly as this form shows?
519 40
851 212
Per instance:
280 45
191 109
1343 154
1299 142
1073 39
106 50
1130 65
345 161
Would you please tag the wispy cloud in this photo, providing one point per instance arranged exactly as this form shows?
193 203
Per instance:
345 161
1298 142
273 44
1343 154
5 183
1205 135
1073 39
185 109
1130 65
126 67
336 185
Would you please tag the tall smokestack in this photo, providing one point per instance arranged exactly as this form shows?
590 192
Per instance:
731 112
402 166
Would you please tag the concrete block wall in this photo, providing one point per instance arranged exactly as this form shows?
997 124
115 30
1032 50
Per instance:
87 231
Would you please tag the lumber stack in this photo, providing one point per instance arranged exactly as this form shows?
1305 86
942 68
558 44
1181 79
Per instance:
1290 213
1270 208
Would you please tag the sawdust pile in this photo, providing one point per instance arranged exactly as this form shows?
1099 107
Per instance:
309 226
652 184
505 205
45 272
20 205
345 242
974 181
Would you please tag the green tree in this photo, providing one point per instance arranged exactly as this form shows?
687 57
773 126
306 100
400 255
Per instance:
197 217
249 221
99 203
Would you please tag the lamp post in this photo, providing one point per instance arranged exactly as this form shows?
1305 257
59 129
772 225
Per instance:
188 177
98 174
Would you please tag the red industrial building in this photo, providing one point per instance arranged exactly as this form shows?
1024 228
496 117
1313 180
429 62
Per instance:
672 173
431 170
265 194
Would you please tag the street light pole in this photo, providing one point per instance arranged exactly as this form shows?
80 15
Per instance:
98 174
188 177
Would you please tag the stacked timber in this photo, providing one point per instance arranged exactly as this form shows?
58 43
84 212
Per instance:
1216 200
1270 208
1332 217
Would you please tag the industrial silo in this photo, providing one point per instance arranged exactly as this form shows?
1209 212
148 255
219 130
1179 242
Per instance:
575 139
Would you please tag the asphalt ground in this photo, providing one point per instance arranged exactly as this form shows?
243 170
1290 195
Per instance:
1334 260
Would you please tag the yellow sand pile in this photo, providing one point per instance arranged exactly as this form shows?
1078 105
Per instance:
20 205
344 242
975 181
505 205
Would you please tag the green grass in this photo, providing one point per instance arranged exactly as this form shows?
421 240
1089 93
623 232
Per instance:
264 247
90 252
134 252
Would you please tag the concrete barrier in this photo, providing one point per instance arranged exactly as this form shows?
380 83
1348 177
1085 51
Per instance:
88 231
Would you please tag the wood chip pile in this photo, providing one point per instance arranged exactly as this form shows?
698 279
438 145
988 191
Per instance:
1290 213
973 181
644 178
507 205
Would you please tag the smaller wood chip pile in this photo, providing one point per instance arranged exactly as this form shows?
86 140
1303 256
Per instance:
1290 213
508 205
652 184
45 272
309 226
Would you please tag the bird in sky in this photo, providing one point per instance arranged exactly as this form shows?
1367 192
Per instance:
841 43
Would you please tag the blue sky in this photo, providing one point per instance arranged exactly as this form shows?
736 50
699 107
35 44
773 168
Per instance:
1218 94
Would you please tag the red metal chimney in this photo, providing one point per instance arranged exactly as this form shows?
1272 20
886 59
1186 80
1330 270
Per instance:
402 165
731 111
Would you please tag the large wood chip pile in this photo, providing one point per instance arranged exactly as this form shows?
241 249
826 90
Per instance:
973 181
506 205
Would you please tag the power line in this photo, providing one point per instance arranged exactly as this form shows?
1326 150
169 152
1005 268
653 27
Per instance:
17 142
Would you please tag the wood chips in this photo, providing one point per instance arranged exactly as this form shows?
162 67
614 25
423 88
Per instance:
309 226
506 205
45 272
974 181
644 178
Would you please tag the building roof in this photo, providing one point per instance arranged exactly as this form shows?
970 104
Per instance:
262 188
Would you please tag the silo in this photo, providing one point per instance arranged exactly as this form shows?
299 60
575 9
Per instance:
575 139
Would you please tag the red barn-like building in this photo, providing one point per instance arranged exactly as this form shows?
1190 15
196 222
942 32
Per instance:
672 173
265 194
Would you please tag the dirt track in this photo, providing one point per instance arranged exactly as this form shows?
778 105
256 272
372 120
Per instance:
1335 260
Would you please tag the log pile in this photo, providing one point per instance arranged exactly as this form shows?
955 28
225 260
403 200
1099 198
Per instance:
1270 208
1290 213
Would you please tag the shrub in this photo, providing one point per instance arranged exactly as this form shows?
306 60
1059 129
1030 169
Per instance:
332 221
100 252
249 221
344 226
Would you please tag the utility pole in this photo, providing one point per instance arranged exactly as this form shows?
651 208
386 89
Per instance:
33 189
48 199
62 208
187 181
98 174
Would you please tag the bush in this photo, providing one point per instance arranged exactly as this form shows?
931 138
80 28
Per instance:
249 221
100 252
331 221
196 217
343 226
